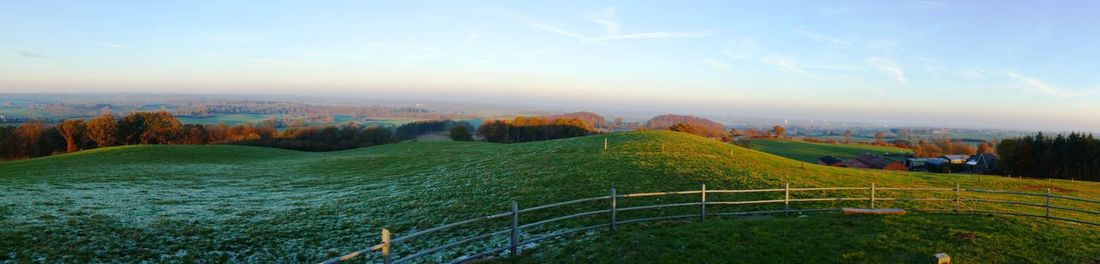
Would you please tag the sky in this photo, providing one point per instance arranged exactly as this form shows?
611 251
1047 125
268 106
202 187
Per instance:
982 64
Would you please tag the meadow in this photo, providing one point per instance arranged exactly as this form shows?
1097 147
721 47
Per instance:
810 151
219 203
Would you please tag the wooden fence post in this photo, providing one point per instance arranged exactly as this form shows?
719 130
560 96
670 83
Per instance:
386 246
958 198
787 198
703 203
515 227
1048 204
872 195
613 209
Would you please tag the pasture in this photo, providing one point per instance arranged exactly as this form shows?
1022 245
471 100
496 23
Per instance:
222 203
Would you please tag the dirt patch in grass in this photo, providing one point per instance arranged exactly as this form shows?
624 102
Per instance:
965 236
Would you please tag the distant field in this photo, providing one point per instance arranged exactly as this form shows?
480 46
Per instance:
259 205
810 152
228 119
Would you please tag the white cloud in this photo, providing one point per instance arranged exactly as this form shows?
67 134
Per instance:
651 35
888 66
783 61
472 37
554 29
1046 88
824 39
607 20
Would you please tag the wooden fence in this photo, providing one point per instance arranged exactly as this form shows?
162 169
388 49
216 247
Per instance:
612 211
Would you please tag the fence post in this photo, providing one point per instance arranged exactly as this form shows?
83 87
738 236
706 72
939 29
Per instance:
703 203
613 209
605 143
1048 204
515 226
958 198
386 246
787 198
872 195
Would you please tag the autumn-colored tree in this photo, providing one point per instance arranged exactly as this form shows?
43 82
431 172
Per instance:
102 130
878 137
27 139
149 128
984 148
706 127
750 132
72 130
686 128
848 136
779 131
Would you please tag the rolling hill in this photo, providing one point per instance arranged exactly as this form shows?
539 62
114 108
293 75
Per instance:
248 204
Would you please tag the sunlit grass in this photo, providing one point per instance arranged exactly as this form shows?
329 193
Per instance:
250 204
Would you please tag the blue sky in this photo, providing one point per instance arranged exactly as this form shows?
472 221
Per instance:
960 64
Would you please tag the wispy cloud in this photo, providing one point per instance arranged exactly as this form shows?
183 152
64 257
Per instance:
470 39
29 54
888 66
651 35
612 30
715 64
607 20
785 62
824 38
554 29
1038 85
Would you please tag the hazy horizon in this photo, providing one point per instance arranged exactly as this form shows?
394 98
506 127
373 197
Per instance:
969 65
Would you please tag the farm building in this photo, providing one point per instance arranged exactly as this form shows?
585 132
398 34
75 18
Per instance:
853 163
830 161
982 162
955 159
874 161
925 164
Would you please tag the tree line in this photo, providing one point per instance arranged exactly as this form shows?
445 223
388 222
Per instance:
35 139
1063 156
701 126
524 129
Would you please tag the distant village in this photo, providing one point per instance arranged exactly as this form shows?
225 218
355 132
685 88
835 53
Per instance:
978 163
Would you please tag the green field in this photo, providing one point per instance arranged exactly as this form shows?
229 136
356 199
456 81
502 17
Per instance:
248 204
810 152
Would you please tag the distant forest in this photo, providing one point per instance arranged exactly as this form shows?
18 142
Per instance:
1064 156
36 139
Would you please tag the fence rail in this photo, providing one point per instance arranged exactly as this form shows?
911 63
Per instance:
385 248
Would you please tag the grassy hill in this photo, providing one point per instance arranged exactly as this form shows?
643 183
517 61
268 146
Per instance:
249 204
810 152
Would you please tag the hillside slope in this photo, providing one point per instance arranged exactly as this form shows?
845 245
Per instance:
234 203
